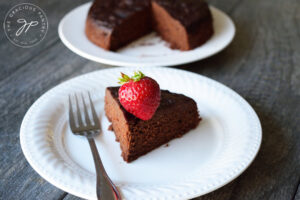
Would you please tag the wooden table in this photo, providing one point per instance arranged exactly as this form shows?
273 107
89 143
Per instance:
262 64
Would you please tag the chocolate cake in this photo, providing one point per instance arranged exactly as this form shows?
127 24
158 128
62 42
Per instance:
175 116
185 24
112 24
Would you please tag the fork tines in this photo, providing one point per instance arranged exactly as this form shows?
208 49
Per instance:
91 123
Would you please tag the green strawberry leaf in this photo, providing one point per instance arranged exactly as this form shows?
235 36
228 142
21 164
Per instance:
137 76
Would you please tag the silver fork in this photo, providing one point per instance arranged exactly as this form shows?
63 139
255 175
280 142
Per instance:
105 188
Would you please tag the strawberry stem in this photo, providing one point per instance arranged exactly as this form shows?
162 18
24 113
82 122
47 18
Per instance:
137 76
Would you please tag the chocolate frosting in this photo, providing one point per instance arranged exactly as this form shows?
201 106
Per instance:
110 13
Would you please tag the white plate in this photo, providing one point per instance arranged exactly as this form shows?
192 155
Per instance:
216 152
147 51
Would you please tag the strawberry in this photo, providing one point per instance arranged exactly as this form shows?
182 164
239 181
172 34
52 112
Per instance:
139 95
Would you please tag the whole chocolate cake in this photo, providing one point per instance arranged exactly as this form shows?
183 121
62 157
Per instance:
175 116
185 24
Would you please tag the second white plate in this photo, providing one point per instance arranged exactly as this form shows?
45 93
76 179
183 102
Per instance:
150 50
206 158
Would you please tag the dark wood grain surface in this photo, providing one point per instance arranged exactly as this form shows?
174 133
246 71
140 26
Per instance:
262 64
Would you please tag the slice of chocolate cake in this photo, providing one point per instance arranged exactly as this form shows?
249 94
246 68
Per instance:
175 116
112 24
185 24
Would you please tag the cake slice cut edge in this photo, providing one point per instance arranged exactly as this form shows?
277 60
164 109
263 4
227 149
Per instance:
184 24
176 115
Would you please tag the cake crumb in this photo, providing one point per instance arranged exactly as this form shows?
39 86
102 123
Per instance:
110 128
168 45
146 44
166 145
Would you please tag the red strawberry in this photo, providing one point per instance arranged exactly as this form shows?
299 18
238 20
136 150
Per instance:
139 95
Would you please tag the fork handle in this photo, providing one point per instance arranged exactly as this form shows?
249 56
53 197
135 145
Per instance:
105 188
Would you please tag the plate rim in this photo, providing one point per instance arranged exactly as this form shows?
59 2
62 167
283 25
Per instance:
63 187
136 63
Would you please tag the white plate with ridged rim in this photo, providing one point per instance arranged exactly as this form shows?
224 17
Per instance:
216 152
150 50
